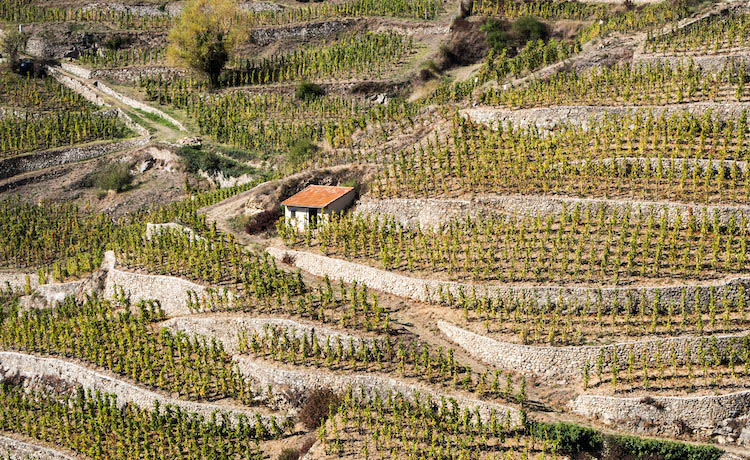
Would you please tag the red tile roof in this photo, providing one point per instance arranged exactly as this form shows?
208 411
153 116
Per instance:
317 196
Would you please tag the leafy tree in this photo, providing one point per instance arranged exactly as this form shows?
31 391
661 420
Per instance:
205 36
11 45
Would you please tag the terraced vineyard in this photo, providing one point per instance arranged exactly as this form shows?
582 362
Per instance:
537 245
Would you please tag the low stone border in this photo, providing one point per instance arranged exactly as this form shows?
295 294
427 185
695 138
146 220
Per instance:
721 418
131 74
435 213
155 229
17 449
36 368
427 290
170 291
34 161
52 292
227 329
565 362
549 118
317 29
371 384
710 62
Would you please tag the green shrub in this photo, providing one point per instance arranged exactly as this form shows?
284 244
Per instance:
115 176
306 91
497 37
201 160
529 28
644 448
573 439
301 151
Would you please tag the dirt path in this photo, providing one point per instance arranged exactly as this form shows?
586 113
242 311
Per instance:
75 78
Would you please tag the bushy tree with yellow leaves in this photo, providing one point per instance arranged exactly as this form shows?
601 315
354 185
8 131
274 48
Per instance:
205 36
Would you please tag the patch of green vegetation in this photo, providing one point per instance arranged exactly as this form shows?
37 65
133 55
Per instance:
529 28
575 440
114 176
204 160
512 37
301 151
307 91
140 121
237 153
156 119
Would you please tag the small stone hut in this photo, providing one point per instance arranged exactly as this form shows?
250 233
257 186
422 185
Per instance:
316 203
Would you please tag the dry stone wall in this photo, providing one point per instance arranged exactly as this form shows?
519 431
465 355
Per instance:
720 418
709 62
371 384
45 159
14 449
51 292
34 369
426 290
170 291
549 118
90 95
227 329
78 71
129 75
566 362
313 30
435 213
155 229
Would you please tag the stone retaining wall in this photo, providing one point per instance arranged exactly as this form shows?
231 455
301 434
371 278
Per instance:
549 118
52 292
313 30
719 418
170 291
435 213
155 229
75 85
709 62
173 8
35 368
309 379
565 362
34 161
78 71
227 329
13 449
131 74
426 290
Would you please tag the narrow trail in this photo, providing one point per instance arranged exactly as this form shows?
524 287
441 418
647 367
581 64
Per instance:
76 78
